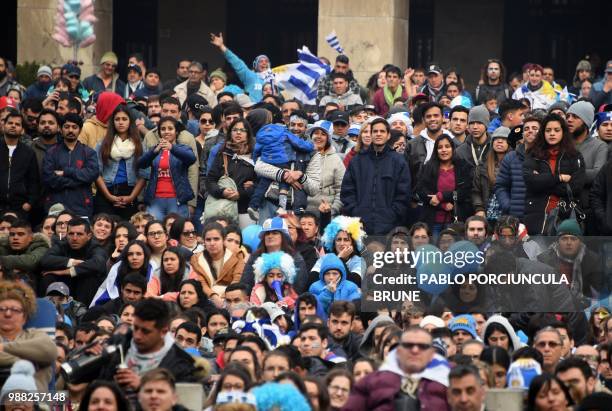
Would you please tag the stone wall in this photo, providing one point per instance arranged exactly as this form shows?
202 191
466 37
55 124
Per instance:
466 34
35 26
372 33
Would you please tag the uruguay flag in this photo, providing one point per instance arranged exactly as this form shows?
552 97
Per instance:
300 79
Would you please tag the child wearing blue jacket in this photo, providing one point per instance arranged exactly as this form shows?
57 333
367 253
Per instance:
276 146
332 285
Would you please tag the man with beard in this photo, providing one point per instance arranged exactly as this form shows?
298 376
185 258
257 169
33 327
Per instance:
48 136
6 82
340 322
69 169
19 179
580 117
420 149
31 109
39 89
492 82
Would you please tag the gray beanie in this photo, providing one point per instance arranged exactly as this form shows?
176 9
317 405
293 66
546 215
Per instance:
479 114
500 132
21 378
584 110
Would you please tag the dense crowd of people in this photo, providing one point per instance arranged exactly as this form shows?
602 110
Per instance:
212 229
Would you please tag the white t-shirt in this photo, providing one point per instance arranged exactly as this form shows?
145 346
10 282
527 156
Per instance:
11 150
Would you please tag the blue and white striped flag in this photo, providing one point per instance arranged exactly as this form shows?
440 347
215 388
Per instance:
332 40
300 79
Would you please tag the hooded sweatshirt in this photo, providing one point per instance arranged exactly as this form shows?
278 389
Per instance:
515 343
345 290
367 341
94 129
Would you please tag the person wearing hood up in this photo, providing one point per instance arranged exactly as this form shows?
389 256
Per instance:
253 80
343 237
371 336
94 129
59 294
305 305
412 377
332 285
499 332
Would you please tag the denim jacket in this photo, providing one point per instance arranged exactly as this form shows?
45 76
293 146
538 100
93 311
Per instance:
181 157
109 171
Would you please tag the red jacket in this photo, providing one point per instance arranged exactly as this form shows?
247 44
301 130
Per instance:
382 108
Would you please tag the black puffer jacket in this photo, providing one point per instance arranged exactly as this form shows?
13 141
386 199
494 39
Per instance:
541 183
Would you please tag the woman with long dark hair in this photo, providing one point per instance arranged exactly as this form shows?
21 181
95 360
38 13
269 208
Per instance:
124 233
184 233
484 199
553 170
166 280
191 295
235 159
216 267
104 395
120 181
444 186
134 258
548 393
168 189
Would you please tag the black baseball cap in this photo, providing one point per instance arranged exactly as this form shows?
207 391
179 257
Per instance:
338 116
195 103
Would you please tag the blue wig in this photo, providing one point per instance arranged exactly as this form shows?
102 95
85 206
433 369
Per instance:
282 397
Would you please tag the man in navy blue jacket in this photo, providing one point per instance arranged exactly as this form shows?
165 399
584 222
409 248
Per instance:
69 169
376 185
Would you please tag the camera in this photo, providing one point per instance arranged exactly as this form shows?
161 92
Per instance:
85 367
79 368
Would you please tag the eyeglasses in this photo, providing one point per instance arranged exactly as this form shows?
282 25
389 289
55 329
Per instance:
551 344
207 121
61 223
155 233
239 130
410 346
189 233
12 310
335 388
74 76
